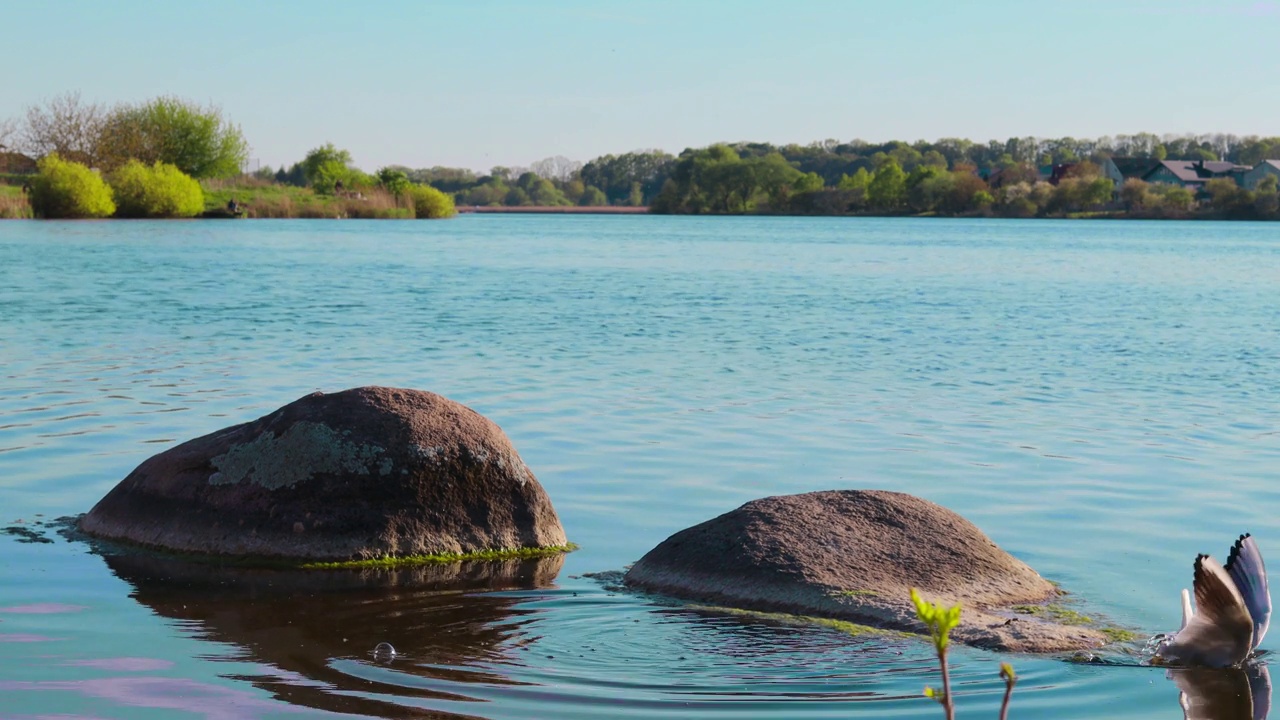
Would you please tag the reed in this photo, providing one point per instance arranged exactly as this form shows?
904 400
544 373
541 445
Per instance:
265 199
14 204
375 204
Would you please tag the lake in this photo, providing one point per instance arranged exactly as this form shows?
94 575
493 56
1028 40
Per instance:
1099 397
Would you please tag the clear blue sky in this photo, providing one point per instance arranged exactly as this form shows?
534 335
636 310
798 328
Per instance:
478 83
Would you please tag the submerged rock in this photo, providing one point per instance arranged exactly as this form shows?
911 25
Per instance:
855 555
364 473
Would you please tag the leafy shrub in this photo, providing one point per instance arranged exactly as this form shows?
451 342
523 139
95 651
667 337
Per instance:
64 189
158 191
429 202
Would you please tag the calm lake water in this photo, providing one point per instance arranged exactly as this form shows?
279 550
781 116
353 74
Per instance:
1100 398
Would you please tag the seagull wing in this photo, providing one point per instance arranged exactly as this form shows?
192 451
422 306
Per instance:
1220 634
1249 574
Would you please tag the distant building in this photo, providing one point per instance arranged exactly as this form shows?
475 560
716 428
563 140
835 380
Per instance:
1251 178
1120 169
1193 174
1058 172
16 163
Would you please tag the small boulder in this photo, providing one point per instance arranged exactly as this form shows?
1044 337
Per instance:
359 474
855 555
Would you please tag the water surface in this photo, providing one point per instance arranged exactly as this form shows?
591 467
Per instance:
1098 397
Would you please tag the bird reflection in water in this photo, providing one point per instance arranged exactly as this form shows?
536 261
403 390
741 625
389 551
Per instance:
1239 693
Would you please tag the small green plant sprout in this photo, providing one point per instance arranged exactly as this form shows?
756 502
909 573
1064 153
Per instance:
1010 679
941 621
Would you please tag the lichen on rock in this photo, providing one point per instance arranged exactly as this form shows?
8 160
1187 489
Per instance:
303 450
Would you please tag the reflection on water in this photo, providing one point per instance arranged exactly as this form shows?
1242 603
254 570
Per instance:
1224 694
298 623
1075 389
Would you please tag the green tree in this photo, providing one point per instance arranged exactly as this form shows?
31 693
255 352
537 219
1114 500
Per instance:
65 189
1229 199
853 189
857 181
195 139
540 191
325 164
923 190
1266 201
967 194
615 175
888 189
1176 200
573 190
157 191
517 197
701 181
1135 194
808 182
395 181
326 178
593 197
936 159
430 203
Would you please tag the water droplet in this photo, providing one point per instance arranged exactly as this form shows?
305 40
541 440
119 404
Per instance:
384 652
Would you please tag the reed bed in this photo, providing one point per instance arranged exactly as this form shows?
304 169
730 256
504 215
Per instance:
263 199
14 204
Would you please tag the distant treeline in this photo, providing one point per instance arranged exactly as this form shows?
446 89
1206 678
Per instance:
1018 177
948 177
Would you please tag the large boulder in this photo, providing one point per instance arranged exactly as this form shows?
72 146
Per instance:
855 555
359 474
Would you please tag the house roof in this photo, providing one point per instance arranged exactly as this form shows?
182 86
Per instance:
12 162
1134 167
1198 170
1273 163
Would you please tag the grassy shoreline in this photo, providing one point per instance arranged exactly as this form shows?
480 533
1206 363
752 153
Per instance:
262 199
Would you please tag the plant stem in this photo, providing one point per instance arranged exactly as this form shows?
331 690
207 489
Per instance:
947 706
1008 693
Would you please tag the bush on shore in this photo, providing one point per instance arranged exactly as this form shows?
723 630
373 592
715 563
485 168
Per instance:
65 189
430 203
157 191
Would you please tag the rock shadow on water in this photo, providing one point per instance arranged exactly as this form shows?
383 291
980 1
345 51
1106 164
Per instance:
297 623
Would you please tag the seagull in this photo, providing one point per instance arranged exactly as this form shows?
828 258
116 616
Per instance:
1232 611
